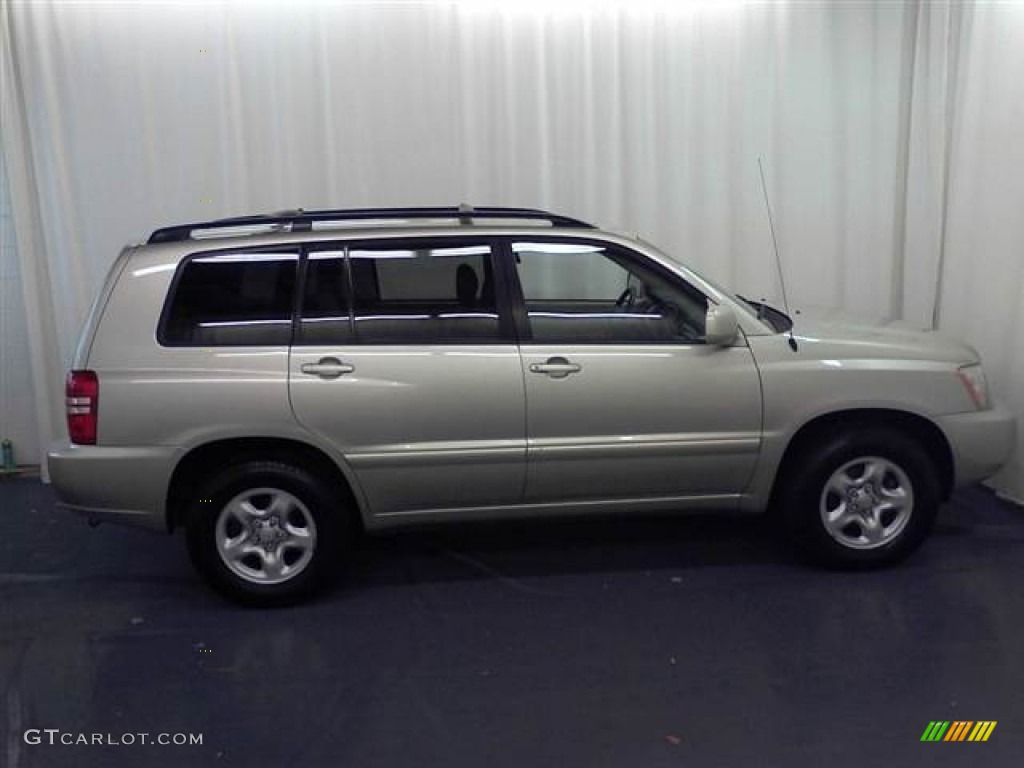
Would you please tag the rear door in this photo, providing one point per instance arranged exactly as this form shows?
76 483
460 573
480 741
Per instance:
624 398
404 358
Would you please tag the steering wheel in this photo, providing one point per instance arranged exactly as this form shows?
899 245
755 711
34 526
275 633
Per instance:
626 298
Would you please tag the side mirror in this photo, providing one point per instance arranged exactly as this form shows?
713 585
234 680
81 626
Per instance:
721 325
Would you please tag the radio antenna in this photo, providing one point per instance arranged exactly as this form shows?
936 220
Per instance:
778 258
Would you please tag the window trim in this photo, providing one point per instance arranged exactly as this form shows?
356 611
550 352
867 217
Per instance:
632 257
172 291
506 327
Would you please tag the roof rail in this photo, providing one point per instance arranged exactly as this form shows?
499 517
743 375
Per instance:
300 220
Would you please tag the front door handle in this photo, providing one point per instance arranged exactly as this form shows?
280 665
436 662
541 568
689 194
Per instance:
556 367
327 368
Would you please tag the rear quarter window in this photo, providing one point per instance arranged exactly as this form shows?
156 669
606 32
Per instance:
231 299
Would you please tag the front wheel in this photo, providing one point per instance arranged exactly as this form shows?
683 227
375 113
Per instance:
264 533
861 498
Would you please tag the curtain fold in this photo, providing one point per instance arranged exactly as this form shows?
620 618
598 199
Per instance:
647 117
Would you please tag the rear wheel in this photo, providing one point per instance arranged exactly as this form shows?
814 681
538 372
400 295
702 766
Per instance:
265 533
861 498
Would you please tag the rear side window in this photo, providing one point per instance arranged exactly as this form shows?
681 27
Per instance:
231 299
425 292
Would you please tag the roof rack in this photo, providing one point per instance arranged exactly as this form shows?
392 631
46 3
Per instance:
300 220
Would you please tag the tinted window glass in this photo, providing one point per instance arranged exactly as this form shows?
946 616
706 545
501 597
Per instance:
416 293
238 299
584 293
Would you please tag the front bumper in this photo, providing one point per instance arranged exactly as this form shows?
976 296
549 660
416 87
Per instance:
113 484
982 441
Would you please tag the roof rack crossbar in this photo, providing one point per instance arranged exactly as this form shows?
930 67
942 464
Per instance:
303 220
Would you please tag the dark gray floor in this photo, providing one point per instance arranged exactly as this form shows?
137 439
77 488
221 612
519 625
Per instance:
677 642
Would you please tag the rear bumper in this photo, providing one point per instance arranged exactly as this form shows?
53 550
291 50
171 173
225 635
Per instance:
982 442
113 484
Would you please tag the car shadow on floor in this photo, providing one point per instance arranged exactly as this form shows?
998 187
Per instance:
538 548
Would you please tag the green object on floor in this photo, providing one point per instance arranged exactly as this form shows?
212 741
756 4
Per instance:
8 456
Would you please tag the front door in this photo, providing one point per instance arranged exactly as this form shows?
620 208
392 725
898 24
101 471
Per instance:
404 359
624 399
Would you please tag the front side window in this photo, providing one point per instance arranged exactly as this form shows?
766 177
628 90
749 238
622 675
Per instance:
231 299
579 292
410 293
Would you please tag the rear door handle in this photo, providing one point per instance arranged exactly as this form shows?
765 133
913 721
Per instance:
556 367
327 368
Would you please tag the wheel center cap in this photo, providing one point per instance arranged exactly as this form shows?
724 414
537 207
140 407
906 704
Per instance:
860 500
266 532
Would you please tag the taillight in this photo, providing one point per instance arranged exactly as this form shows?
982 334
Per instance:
83 394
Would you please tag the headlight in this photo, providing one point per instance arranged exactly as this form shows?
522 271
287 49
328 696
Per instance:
973 378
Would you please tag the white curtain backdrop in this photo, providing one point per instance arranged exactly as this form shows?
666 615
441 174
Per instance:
982 292
890 134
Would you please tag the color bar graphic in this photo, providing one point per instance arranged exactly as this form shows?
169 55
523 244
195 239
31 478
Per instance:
958 730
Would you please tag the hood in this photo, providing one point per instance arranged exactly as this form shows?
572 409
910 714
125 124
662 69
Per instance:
859 336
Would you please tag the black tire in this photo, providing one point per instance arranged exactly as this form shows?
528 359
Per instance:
871 538
301 528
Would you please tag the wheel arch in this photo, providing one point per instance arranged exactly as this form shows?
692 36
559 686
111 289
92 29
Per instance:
204 459
925 432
